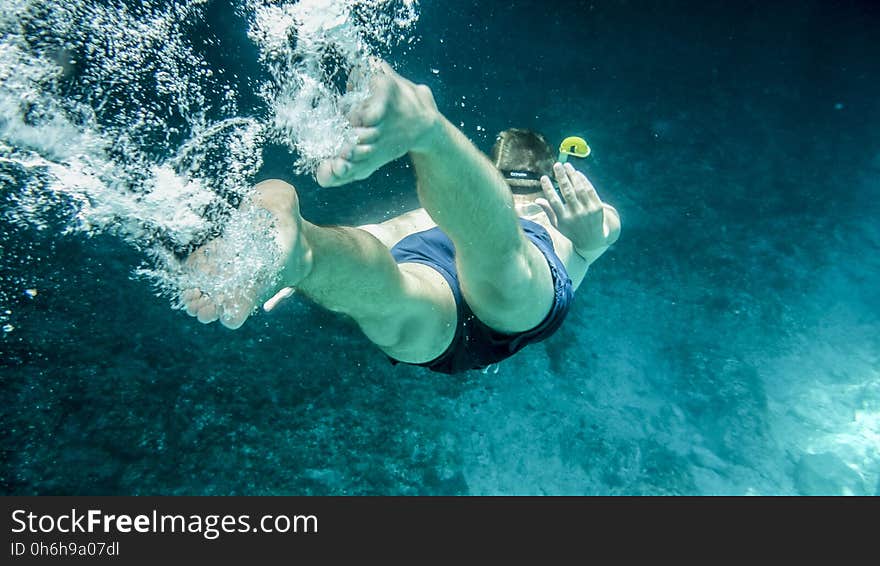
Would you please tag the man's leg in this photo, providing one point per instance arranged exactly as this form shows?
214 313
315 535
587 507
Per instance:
504 278
408 311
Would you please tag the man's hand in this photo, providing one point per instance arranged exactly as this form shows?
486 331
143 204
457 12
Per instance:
583 218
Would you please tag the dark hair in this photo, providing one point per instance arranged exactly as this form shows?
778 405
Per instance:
523 151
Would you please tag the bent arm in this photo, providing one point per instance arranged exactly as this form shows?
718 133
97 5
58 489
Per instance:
588 225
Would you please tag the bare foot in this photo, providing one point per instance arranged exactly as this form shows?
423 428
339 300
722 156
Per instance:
397 118
278 229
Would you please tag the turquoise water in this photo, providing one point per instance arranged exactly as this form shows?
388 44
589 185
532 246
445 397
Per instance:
727 344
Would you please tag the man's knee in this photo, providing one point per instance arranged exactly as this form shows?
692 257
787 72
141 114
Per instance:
506 274
420 322
513 294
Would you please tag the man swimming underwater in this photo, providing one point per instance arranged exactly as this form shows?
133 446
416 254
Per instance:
485 268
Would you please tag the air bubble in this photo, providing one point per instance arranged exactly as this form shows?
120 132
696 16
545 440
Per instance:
154 149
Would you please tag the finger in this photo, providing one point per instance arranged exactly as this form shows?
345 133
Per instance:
548 210
551 196
277 298
565 186
585 189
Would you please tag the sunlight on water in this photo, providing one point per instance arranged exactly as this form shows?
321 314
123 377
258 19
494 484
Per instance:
112 118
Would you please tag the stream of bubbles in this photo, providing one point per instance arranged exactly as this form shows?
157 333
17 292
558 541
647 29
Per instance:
114 120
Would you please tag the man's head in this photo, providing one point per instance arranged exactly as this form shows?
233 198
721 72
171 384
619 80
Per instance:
523 156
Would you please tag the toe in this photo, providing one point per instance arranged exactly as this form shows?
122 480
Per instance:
234 318
366 135
207 314
324 174
191 303
341 167
236 310
361 152
332 172
195 307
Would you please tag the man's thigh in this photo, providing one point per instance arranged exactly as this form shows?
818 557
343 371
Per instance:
399 227
509 294
424 326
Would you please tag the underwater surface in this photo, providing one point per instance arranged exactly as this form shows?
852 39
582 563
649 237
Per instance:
728 343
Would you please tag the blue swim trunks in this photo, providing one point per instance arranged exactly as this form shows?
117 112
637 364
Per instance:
475 345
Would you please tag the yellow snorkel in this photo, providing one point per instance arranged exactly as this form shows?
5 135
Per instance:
574 146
